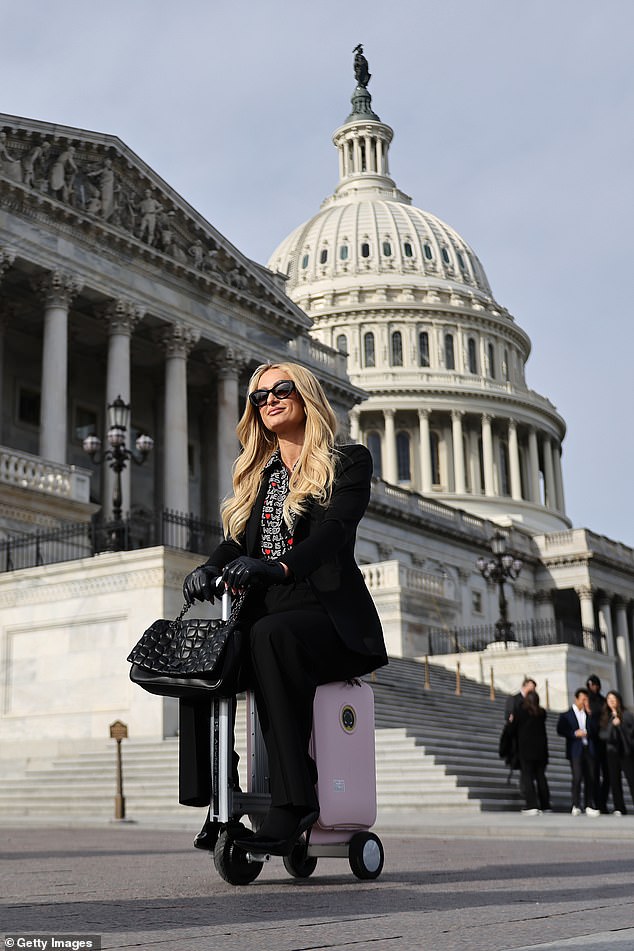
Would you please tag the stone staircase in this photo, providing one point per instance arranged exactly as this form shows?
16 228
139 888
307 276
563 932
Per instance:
434 750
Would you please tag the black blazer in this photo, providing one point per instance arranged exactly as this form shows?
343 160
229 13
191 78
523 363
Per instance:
323 553
567 725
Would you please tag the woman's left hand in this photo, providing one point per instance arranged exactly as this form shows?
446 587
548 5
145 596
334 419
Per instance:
245 571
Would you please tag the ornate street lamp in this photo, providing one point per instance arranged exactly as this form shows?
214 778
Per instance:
117 456
503 566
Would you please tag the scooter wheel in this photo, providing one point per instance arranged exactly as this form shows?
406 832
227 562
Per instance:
231 862
298 864
366 855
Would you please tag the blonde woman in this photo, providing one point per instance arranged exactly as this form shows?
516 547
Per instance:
290 531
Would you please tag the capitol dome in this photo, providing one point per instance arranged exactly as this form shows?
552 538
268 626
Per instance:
402 294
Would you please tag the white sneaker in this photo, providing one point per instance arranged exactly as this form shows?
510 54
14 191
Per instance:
617 813
575 811
531 812
593 813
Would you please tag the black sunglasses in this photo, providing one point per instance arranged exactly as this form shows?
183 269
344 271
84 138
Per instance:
281 391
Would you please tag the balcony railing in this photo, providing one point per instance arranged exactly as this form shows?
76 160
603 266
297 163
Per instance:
41 475
82 540
532 633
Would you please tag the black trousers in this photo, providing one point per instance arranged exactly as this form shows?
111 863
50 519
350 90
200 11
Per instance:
534 784
583 772
291 652
616 765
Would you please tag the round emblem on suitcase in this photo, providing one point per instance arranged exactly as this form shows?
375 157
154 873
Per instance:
348 718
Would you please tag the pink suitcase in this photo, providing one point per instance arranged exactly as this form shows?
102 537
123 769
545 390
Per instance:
342 746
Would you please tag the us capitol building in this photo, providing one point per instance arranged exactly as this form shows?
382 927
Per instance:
117 296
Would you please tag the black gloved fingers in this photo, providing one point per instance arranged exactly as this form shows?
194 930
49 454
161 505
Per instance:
199 585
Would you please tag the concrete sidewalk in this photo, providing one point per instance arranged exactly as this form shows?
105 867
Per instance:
470 882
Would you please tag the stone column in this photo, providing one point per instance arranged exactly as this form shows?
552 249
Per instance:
228 364
559 479
7 257
487 455
380 165
588 622
389 448
57 290
178 340
544 607
458 451
357 154
533 466
605 625
623 653
355 429
425 451
514 461
121 317
549 474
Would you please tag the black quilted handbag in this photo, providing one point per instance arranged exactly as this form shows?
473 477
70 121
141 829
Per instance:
190 659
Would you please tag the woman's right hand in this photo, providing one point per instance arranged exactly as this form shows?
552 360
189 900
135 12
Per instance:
200 584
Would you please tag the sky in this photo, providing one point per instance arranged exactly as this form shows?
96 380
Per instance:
513 122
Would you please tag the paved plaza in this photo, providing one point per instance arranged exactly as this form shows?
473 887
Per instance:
459 882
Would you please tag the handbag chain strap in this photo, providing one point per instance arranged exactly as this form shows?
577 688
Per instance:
235 607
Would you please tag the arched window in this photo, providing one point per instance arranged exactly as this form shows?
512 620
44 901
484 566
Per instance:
369 359
506 368
305 261
396 346
408 251
403 457
472 355
374 447
365 250
423 349
461 261
323 257
387 249
491 361
505 478
343 252
445 256
434 453
342 343
450 361
428 252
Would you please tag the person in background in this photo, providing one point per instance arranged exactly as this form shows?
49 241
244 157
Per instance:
617 732
601 771
580 728
528 725
515 700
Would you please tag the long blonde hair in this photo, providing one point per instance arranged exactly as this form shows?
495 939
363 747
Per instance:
313 475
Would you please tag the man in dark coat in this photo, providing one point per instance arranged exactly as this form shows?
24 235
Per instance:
580 729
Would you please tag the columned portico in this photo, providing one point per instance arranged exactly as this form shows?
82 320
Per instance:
57 291
178 341
228 366
122 316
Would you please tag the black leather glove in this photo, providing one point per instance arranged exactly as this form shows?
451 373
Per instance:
245 571
200 584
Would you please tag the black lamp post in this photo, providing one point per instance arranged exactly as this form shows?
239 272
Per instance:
503 566
118 455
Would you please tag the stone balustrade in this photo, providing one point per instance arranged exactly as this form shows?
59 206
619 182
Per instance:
40 475
581 539
384 575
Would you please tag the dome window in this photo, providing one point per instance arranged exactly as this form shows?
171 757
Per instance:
343 252
423 349
434 454
396 348
323 257
472 356
387 249
463 266
408 251
429 254
445 256
369 359
450 360
305 261
404 470
342 343
491 361
374 446
365 250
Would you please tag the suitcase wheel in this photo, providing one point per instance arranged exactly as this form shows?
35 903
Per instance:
231 863
366 855
298 864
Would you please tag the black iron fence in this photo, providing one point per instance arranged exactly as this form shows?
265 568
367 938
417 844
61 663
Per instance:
532 633
84 539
